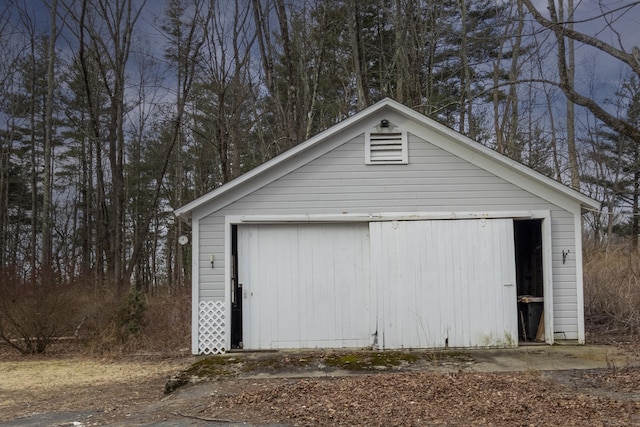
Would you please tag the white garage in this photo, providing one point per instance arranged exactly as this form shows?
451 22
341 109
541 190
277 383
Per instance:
389 231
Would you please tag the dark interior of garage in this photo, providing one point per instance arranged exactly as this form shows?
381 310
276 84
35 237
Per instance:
529 279
236 293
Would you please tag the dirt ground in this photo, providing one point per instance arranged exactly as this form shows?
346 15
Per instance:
109 390
61 390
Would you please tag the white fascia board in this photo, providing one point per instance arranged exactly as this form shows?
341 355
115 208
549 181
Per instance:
382 216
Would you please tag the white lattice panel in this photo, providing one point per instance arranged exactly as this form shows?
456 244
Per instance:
211 327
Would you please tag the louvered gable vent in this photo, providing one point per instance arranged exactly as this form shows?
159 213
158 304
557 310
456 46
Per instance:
386 148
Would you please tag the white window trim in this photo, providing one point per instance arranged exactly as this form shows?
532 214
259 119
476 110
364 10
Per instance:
403 159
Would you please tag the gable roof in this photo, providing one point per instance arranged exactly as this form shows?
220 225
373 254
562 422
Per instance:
185 212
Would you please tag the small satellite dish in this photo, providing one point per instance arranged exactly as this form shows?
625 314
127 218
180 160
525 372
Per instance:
183 240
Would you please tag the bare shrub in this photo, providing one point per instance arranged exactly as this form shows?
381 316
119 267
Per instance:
166 324
612 286
92 319
99 329
138 322
35 314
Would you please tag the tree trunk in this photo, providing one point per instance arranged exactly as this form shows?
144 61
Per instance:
48 144
572 152
400 61
506 128
635 219
466 104
512 98
34 172
292 118
357 54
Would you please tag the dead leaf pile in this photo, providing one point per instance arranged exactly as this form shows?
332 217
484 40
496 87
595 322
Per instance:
428 399
623 381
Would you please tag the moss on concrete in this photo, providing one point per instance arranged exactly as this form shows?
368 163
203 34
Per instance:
370 360
236 364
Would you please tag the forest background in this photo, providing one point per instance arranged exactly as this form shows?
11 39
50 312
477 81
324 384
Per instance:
115 112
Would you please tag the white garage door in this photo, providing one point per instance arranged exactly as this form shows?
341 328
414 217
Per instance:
304 286
444 283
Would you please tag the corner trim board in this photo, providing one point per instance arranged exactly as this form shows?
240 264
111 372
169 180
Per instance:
577 222
195 287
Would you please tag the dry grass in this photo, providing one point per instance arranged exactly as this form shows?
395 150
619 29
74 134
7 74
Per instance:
612 287
109 388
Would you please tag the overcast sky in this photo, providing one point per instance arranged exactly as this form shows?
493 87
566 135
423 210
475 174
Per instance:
595 71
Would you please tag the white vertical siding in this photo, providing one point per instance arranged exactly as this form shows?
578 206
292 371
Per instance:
305 286
445 283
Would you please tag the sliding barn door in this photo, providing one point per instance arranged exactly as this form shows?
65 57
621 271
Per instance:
304 285
444 283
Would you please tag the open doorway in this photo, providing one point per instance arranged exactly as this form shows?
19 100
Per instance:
236 293
529 279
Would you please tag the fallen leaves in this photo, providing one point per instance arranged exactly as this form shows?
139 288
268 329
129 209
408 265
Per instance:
427 398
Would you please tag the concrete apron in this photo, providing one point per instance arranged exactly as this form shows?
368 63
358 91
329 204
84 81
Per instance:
538 357
549 358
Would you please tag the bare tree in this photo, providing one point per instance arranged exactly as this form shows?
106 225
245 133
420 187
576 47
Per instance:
466 96
105 31
511 45
11 184
357 47
224 85
48 141
561 31
571 71
189 50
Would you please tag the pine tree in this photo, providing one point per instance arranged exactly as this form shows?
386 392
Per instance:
616 159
